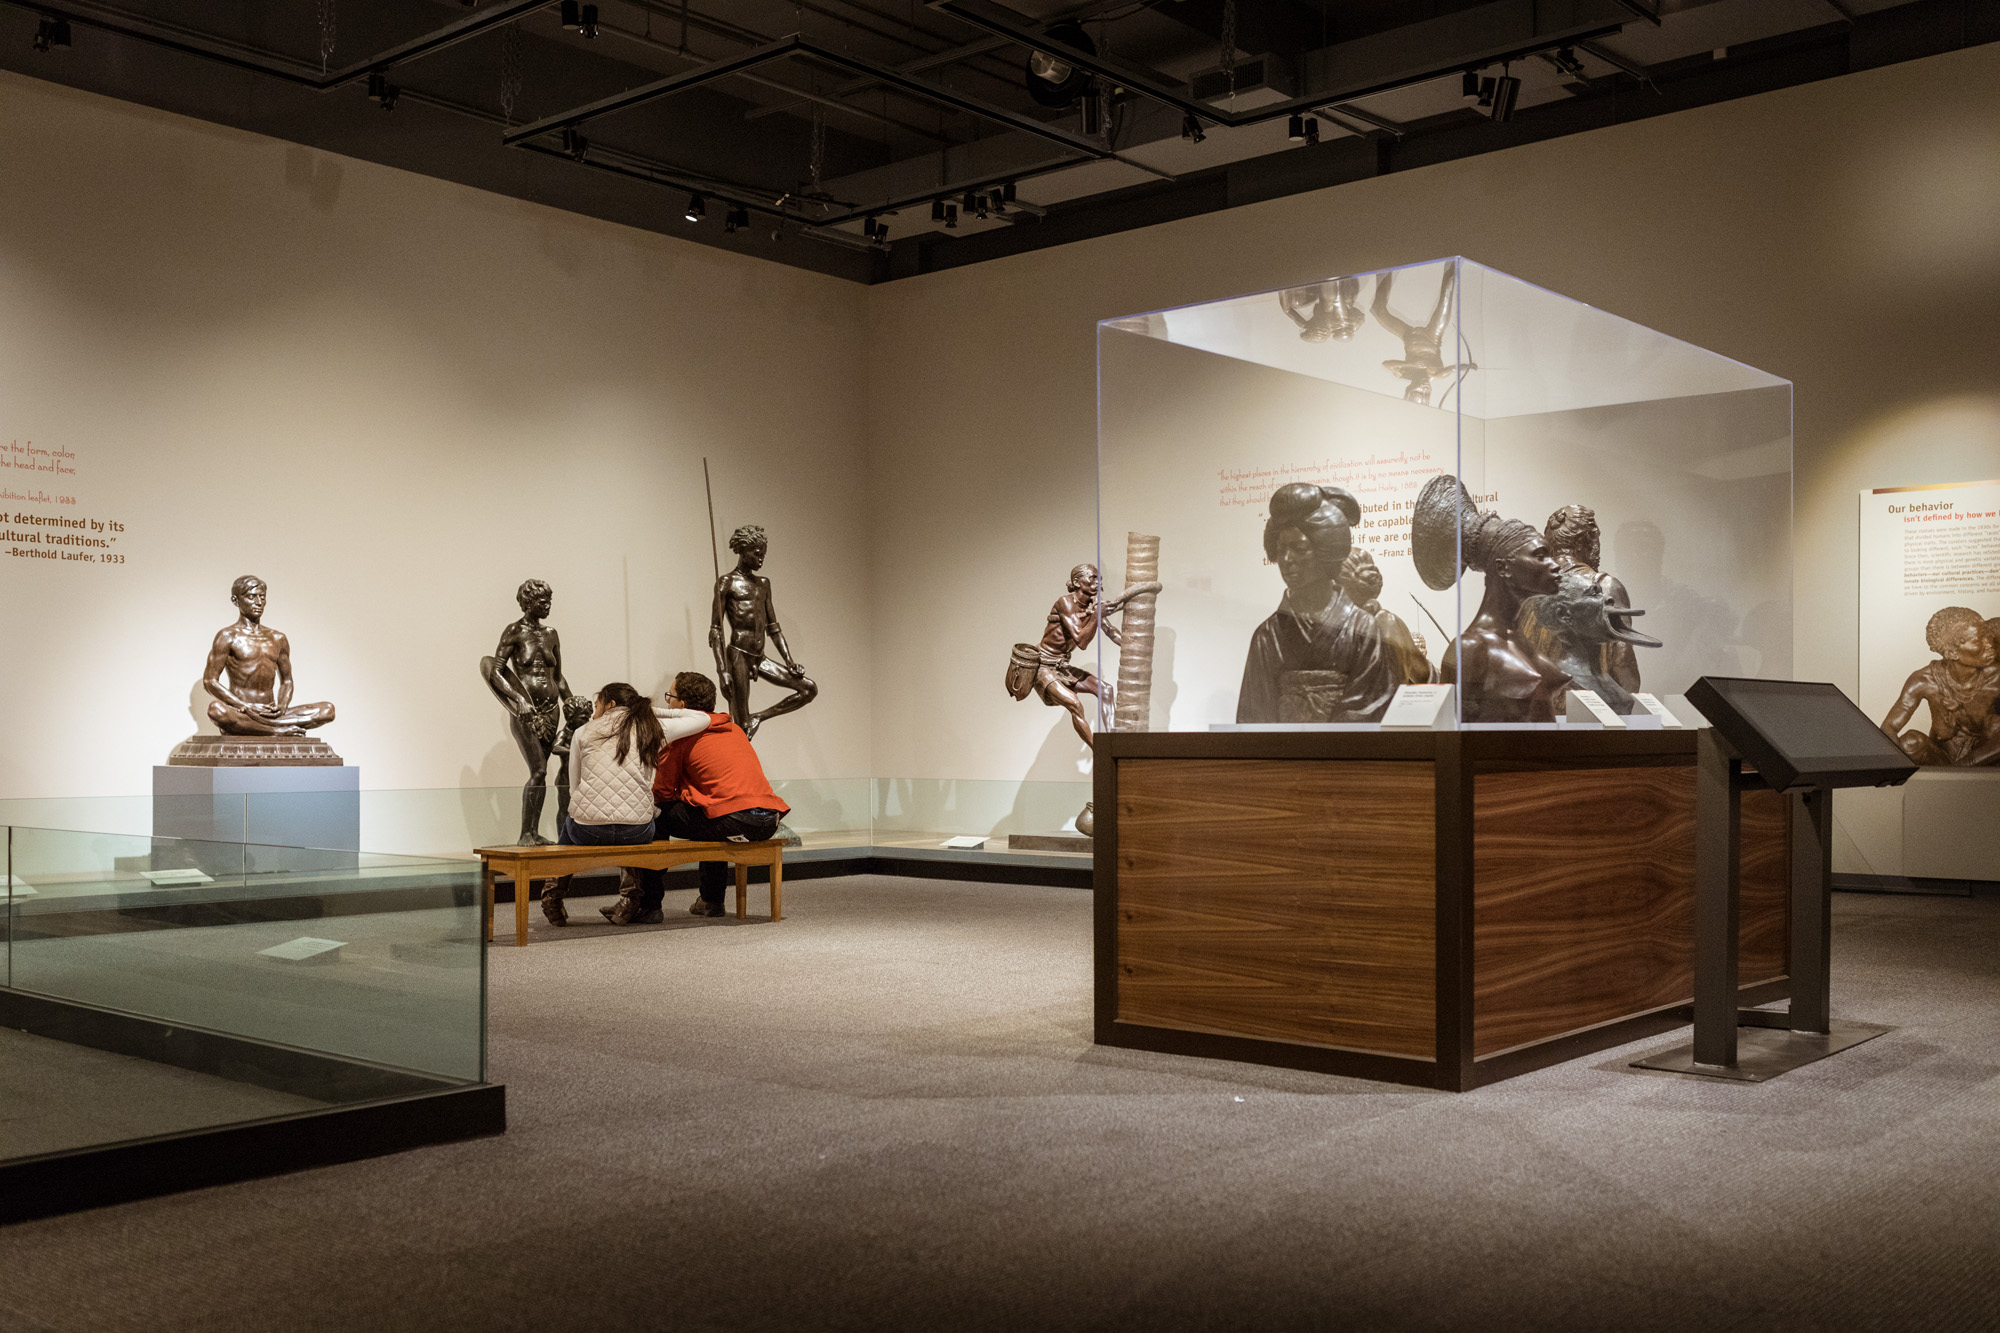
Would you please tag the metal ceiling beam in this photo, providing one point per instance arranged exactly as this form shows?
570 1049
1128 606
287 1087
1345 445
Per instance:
796 45
189 42
951 57
1004 22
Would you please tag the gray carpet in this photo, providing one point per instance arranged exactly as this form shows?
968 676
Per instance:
885 1112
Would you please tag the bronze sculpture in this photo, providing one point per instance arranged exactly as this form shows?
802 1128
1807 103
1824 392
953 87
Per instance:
1501 678
525 674
1576 543
1962 688
1361 580
1319 657
1325 310
248 677
1579 622
1423 344
743 604
1044 668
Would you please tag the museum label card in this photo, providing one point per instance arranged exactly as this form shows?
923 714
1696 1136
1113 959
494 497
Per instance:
1593 708
1425 706
303 949
168 877
1658 709
963 843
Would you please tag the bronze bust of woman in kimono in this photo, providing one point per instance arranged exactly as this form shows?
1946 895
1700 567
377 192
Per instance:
1318 657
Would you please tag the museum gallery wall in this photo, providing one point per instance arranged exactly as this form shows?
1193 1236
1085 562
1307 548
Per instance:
1837 235
393 399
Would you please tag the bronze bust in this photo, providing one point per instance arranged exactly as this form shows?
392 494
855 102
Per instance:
525 674
1319 657
1576 626
743 627
1325 310
1576 543
1501 678
1962 688
249 673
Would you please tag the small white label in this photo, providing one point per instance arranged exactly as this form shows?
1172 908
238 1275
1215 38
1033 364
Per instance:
1658 709
302 948
1418 706
1598 709
160 877
963 843
16 885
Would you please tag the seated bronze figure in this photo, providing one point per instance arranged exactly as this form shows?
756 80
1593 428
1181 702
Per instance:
1501 678
249 673
1963 689
1318 657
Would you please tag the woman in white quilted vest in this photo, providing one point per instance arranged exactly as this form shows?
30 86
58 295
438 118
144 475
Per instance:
611 759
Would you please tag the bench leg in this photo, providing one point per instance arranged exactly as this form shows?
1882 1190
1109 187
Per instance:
742 888
523 886
778 889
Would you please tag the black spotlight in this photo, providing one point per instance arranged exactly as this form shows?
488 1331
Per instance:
1468 85
1053 81
697 208
575 145
382 92
1191 129
52 34
937 210
881 233
572 16
1312 130
1505 90
1568 64
588 21
951 215
1295 129
1007 192
1486 91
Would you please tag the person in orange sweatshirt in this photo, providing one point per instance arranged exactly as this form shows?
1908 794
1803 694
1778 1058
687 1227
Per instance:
708 787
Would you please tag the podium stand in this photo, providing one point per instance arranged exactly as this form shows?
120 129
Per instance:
1803 739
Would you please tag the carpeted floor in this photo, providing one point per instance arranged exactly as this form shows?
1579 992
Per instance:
885 1112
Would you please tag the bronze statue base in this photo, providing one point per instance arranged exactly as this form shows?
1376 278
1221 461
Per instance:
253 752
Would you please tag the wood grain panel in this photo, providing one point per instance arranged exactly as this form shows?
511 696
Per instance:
1583 898
1291 900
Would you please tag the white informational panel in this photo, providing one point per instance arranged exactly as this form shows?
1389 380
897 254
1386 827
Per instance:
1925 549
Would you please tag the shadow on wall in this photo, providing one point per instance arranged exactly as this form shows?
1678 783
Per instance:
316 175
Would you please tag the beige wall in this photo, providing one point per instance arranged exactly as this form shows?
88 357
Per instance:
394 398
1840 234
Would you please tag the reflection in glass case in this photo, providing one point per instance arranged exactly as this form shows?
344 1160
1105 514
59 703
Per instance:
1436 474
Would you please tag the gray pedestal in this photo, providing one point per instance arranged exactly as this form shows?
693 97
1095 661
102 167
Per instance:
259 820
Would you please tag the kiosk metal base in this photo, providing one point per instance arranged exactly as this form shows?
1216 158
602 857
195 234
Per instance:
1765 1049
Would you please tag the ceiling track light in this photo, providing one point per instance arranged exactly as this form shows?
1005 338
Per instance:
735 219
951 215
937 210
1052 81
383 92
1312 130
574 144
52 34
1486 86
588 21
1191 128
572 15
1506 89
1295 129
1567 64
1468 85
697 208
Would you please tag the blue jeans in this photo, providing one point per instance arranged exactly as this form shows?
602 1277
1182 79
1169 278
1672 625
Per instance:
606 835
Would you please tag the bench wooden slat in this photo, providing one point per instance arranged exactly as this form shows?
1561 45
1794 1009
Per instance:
525 864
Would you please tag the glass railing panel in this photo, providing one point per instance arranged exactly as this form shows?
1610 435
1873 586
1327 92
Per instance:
359 955
928 812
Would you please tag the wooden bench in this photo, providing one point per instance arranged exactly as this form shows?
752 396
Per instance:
524 865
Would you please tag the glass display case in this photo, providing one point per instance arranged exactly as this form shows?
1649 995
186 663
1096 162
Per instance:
1432 474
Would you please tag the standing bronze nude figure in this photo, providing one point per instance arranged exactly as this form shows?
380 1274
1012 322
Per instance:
1423 344
525 674
249 673
741 626
1325 310
1962 687
1044 668
1501 678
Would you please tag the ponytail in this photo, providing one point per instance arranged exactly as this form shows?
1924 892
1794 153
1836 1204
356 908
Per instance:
640 727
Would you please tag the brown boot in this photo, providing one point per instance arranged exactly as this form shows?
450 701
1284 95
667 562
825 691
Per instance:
623 912
553 893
